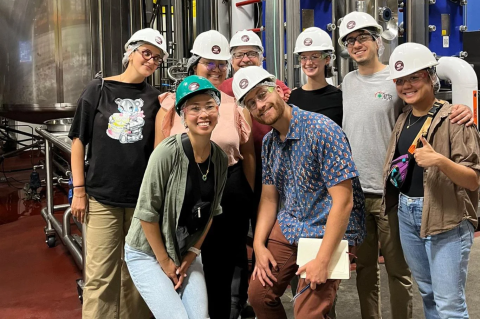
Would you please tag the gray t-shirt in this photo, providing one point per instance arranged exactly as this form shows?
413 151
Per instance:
370 108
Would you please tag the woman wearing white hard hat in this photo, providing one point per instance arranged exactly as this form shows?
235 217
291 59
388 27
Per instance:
432 172
211 55
116 117
315 52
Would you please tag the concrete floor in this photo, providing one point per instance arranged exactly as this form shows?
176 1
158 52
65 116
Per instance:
348 305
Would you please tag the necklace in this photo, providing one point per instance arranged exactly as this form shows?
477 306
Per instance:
409 117
204 176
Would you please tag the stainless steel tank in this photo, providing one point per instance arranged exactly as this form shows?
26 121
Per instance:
50 49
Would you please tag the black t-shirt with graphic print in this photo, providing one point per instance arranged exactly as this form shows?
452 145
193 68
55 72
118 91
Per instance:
327 101
121 133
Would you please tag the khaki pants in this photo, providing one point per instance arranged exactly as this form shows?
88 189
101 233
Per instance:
383 229
109 291
312 304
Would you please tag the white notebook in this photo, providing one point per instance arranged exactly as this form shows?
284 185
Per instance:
339 267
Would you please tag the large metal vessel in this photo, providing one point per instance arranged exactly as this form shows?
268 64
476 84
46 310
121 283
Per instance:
50 49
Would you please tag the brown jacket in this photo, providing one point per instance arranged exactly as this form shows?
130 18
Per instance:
445 204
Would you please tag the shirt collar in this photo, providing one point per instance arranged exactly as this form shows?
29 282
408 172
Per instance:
294 128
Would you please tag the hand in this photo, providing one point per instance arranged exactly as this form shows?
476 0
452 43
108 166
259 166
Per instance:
461 114
170 269
317 272
182 270
79 204
426 155
286 96
262 270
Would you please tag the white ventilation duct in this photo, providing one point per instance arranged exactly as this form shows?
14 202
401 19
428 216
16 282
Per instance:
464 82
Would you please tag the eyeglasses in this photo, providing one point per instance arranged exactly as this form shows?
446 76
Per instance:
249 54
197 110
147 55
251 104
315 58
212 66
350 42
414 78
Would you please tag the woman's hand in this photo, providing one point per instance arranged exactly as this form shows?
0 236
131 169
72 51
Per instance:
182 271
170 269
79 204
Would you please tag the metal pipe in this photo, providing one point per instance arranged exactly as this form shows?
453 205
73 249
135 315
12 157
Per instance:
292 10
244 3
61 168
257 30
417 15
69 241
49 177
178 30
274 38
214 15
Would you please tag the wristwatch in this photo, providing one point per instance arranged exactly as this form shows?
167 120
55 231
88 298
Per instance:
195 250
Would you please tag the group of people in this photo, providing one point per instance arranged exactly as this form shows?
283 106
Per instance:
172 180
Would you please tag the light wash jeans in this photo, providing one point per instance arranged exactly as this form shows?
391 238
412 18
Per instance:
438 263
189 302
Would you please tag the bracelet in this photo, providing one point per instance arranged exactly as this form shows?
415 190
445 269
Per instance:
194 250
78 186
79 196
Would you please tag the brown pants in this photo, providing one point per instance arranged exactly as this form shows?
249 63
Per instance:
266 300
383 229
109 291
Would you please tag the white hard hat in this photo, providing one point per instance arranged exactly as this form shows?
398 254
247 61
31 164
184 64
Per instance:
409 58
313 39
151 36
211 45
247 78
356 21
244 38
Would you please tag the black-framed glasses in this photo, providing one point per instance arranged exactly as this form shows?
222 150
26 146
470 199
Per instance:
251 104
213 65
148 55
362 38
249 54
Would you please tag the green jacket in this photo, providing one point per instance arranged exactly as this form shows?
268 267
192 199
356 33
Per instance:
162 193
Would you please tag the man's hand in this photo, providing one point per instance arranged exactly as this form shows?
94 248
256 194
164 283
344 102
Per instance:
461 114
262 270
286 96
182 270
426 155
317 272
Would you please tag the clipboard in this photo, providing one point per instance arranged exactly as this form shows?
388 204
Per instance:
339 267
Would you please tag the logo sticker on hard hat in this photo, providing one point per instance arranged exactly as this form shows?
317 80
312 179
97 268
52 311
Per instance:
351 24
216 49
399 65
243 83
245 38
193 86
308 42
158 40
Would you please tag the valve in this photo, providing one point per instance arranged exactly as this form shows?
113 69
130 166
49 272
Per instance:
432 28
462 28
385 14
331 27
433 1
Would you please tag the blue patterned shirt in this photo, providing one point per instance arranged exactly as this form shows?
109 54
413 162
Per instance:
314 157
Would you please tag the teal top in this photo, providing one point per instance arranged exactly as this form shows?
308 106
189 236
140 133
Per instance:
162 193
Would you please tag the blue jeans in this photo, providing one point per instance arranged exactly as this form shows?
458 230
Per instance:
438 263
189 302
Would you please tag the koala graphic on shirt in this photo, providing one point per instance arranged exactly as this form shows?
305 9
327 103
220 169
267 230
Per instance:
127 126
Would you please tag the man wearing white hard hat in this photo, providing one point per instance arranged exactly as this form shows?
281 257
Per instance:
247 50
116 117
316 53
370 109
310 189
432 173
227 236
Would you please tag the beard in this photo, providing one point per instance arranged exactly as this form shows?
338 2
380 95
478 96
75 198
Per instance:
272 118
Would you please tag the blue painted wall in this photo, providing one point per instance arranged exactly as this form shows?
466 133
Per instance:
473 10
